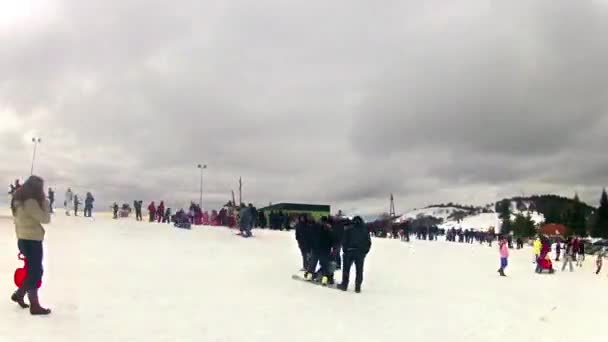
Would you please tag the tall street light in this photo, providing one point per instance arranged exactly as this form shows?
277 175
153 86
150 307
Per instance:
202 167
36 141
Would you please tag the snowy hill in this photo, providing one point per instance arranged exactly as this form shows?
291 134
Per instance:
470 218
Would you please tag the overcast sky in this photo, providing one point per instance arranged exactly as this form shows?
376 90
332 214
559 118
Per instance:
337 102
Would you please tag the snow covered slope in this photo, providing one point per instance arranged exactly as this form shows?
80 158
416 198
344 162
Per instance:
117 281
477 221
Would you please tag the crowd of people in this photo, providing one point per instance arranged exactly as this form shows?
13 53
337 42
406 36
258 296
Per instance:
322 244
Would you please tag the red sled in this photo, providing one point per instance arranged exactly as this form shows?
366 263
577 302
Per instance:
544 264
21 273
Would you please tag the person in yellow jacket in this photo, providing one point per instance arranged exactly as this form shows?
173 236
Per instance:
537 247
32 210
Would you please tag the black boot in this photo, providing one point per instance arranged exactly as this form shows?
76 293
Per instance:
343 287
36 309
19 298
502 272
358 288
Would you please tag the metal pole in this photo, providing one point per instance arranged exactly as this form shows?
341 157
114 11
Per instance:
35 141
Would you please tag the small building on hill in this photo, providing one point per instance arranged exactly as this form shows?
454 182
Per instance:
553 229
294 209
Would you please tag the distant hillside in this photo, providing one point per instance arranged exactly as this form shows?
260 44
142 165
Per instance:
554 208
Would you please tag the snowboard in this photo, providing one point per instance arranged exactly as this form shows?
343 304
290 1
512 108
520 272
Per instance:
318 283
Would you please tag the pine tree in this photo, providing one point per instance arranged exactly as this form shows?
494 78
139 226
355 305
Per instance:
504 213
530 226
601 220
524 226
576 220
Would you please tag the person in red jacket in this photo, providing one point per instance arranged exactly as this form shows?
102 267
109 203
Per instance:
152 211
161 211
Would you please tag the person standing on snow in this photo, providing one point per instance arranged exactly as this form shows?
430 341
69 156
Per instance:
321 252
356 245
581 253
76 204
115 210
503 248
568 255
160 212
51 199
69 200
152 211
137 205
88 205
31 211
537 246
245 220
558 250
599 261
303 240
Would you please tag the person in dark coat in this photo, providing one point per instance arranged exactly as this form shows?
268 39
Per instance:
115 210
152 211
88 205
321 245
51 199
303 239
338 231
160 212
137 205
167 218
356 244
76 204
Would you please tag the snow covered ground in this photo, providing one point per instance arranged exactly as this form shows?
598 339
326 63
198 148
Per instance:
126 281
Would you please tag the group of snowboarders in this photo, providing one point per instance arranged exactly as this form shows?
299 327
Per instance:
321 244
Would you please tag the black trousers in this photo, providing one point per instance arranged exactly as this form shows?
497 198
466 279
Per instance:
319 257
350 258
32 250
305 256
138 215
88 211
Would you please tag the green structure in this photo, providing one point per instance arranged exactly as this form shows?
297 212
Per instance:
315 211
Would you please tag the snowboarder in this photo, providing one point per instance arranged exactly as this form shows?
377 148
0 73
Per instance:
88 205
51 199
356 245
152 211
69 201
503 248
31 211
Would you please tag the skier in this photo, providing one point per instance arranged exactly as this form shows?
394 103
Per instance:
356 244
31 211
503 247
302 237
76 204
88 205
51 199
599 261
152 211
69 200
568 255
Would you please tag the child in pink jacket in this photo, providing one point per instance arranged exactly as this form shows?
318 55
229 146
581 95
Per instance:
503 248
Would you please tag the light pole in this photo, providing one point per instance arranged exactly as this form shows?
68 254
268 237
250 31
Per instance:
202 167
36 141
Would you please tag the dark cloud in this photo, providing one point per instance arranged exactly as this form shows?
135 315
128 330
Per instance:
340 102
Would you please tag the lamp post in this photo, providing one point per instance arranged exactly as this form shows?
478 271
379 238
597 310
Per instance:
36 141
202 167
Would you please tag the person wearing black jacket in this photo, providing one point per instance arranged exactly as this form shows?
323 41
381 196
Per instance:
338 231
357 243
321 245
303 239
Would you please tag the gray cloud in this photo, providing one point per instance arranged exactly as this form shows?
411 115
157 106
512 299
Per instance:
340 103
